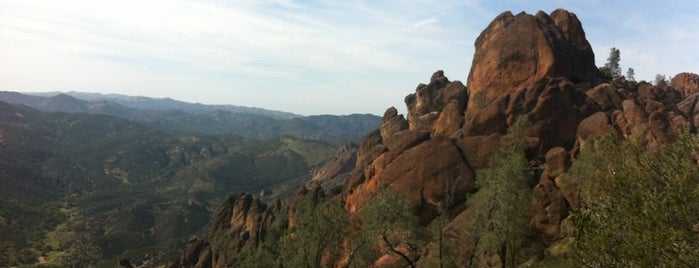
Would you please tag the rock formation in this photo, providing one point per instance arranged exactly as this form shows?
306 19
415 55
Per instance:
242 221
541 67
333 174
420 160
686 83
515 51
427 103
196 254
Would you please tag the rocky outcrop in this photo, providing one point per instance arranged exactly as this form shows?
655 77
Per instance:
554 107
392 123
515 51
242 221
334 173
594 126
196 254
606 96
418 158
689 108
540 67
241 226
429 174
428 101
550 205
686 83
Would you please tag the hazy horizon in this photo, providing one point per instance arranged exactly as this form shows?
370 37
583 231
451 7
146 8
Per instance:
303 57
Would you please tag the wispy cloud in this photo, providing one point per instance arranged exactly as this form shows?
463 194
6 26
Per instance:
282 42
303 56
424 22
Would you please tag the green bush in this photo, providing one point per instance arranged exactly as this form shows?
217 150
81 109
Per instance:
639 206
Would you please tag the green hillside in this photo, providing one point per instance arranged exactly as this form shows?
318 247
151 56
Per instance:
82 189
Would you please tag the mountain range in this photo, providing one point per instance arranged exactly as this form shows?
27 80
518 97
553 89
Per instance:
187 118
85 182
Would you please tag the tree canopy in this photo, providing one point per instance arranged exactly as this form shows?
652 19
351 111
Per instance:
613 63
639 206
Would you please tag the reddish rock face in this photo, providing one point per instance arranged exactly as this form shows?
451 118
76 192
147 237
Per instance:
686 83
553 106
430 174
416 157
516 51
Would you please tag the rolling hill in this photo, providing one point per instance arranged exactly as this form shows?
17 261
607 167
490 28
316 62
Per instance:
184 118
84 189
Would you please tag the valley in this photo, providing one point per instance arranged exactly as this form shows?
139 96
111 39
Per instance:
87 188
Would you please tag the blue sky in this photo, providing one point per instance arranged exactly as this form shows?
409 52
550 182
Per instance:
307 57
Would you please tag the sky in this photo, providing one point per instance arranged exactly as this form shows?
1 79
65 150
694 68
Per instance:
301 56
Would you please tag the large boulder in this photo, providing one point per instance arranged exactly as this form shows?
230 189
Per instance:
450 119
606 96
515 51
432 175
686 83
593 127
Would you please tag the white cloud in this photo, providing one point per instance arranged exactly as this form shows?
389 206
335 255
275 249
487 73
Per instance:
301 56
424 22
237 44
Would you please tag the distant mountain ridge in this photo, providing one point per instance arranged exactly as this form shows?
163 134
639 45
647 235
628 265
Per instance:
188 118
167 104
82 190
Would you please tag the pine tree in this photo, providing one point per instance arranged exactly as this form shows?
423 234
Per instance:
501 205
661 80
613 63
388 219
630 75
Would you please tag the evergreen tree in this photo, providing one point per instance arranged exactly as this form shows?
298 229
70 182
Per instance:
613 63
661 80
500 207
630 75
389 219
